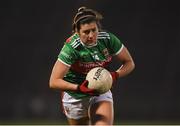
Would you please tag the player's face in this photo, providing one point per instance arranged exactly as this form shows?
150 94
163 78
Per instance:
88 33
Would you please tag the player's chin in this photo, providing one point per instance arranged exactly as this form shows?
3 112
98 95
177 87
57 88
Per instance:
90 43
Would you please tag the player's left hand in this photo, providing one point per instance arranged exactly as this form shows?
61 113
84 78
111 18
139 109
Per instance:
114 76
84 89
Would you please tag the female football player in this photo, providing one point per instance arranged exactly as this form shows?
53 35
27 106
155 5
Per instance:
88 47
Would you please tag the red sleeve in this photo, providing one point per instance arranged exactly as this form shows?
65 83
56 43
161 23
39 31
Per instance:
69 39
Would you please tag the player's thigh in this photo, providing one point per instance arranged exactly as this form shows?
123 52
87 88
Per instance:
102 113
76 110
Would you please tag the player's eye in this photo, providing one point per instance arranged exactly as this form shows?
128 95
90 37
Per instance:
87 32
94 30
91 30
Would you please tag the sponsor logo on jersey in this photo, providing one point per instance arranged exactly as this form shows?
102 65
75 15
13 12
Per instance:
84 67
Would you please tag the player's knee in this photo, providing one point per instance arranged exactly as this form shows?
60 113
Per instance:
99 119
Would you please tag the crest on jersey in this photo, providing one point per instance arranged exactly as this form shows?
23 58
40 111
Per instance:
105 52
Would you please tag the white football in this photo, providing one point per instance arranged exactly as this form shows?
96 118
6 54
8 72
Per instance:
99 79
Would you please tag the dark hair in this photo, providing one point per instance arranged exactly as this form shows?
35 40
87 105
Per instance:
85 15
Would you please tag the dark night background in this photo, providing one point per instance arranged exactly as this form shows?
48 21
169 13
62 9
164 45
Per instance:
32 34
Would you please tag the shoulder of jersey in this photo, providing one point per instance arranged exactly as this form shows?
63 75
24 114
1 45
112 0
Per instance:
103 35
74 41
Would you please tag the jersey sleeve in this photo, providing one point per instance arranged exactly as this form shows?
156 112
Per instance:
115 44
67 55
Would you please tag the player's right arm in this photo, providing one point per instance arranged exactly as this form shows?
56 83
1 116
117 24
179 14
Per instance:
65 59
56 79
57 82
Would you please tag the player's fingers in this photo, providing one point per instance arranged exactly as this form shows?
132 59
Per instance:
86 83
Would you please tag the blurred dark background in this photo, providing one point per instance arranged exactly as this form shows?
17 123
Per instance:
32 34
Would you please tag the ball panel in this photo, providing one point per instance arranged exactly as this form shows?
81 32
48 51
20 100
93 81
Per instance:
99 79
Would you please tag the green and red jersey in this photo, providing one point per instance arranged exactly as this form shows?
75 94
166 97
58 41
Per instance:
81 58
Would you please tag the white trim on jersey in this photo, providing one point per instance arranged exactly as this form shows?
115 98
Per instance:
119 50
64 62
103 35
75 43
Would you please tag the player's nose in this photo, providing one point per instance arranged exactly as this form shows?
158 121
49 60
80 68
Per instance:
91 34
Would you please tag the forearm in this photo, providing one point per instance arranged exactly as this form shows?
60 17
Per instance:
63 85
125 69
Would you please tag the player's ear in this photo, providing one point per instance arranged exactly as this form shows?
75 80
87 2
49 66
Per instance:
77 31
